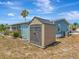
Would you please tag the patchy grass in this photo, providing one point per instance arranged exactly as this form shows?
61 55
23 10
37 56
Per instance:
68 48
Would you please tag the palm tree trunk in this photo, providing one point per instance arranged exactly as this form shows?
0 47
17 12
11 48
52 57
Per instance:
25 19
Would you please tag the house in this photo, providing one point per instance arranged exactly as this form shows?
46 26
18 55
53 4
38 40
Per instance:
15 27
62 27
42 32
23 28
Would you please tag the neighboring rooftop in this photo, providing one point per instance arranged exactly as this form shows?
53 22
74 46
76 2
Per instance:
22 23
59 20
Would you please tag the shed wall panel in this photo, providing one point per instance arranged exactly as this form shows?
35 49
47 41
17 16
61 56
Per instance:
50 32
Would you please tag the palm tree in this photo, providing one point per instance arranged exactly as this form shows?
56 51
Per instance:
24 13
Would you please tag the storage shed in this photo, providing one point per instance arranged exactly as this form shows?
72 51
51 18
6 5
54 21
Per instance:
42 32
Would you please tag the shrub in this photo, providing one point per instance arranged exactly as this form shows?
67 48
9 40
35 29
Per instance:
16 34
6 33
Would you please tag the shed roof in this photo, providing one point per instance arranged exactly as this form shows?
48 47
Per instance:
44 21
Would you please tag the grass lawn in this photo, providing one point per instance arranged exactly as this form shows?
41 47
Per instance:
68 48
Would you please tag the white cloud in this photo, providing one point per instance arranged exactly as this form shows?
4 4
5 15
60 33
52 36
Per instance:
9 4
72 15
15 7
6 3
44 6
11 14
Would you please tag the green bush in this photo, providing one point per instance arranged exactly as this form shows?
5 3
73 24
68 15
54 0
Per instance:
16 34
6 33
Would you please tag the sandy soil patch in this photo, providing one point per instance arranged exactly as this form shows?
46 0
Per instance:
68 48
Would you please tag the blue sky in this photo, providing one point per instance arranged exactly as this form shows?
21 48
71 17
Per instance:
49 9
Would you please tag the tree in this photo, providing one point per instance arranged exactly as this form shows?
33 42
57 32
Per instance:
74 26
2 27
24 13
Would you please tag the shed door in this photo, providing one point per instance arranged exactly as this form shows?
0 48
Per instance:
24 32
35 34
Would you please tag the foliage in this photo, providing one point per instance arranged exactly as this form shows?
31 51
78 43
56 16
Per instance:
16 34
24 13
2 27
74 26
6 32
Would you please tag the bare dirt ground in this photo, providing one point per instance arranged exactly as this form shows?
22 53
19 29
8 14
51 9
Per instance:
66 48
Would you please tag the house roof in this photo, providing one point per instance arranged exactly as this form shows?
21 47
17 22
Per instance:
44 21
60 20
21 23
